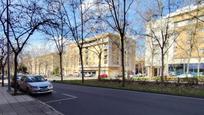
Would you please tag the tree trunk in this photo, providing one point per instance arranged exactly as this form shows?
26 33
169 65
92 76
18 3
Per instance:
82 64
61 68
152 62
189 58
198 71
184 67
187 69
122 60
198 68
2 74
142 68
39 69
99 66
15 72
162 67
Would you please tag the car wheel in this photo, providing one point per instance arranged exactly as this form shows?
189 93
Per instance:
28 91
18 87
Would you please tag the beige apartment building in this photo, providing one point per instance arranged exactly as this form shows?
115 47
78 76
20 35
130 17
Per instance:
44 64
186 51
107 44
109 47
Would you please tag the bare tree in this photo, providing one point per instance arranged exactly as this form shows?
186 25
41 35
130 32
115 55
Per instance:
3 57
97 26
25 18
164 36
98 49
76 19
118 22
4 18
57 32
198 4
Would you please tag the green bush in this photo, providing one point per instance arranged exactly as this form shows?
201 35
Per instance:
200 78
55 71
140 78
191 81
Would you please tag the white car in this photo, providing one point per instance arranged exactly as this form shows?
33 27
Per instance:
35 84
185 75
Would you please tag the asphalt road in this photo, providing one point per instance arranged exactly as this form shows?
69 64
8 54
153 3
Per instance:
81 100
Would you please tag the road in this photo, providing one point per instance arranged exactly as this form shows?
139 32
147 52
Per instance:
82 100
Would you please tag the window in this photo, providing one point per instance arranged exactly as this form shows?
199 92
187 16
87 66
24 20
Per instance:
105 51
105 59
87 50
117 61
202 51
201 30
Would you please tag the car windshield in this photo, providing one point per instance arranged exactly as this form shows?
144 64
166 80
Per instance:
36 79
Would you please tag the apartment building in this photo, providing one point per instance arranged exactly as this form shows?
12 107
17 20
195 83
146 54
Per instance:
109 46
44 64
185 52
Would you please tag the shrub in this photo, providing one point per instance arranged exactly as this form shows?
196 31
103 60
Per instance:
56 71
200 78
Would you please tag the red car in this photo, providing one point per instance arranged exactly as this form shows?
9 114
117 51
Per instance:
103 76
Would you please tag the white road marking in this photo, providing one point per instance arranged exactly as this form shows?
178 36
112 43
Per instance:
69 97
58 100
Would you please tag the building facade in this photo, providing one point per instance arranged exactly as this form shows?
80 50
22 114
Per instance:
185 54
104 48
44 65
108 45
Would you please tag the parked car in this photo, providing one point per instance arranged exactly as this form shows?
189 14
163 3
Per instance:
35 84
18 78
102 76
185 75
88 75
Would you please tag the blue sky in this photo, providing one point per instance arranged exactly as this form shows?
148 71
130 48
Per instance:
136 22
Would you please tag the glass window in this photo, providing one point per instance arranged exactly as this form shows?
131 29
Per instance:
177 69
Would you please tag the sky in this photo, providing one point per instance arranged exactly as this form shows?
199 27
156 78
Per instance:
136 22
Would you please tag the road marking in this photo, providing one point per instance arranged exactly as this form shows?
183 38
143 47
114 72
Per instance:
58 100
70 97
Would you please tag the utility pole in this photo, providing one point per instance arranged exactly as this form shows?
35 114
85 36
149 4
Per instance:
8 47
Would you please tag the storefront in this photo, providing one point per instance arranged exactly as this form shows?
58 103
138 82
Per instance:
194 69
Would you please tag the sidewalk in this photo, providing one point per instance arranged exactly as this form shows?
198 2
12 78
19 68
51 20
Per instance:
23 105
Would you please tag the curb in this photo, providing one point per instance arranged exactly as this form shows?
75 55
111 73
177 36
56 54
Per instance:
50 107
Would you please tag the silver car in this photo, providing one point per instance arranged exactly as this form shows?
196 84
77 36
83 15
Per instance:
35 84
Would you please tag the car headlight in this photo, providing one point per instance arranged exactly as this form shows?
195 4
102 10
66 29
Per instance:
50 86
